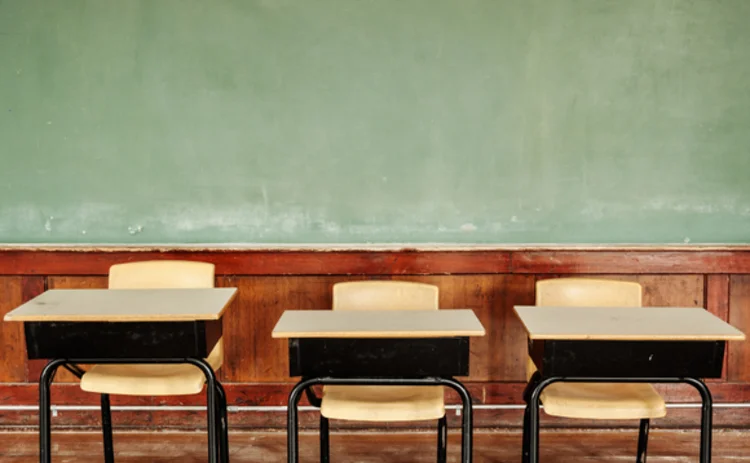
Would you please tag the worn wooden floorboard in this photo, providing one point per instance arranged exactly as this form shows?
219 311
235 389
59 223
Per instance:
490 447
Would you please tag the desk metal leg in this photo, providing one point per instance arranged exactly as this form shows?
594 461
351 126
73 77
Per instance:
211 393
467 426
299 389
222 424
533 417
45 382
292 428
706 417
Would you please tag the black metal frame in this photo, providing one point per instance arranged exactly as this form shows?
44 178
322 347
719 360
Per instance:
305 385
218 445
538 383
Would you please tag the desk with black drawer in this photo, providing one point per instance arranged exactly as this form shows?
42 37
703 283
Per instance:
96 326
389 347
609 345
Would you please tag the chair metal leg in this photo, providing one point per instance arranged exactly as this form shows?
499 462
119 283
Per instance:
525 443
109 451
442 440
642 441
325 446
222 426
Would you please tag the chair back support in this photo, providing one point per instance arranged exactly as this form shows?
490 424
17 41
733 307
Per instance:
585 292
161 274
384 295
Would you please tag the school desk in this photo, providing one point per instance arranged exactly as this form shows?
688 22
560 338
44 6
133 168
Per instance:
97 326
378 347
611 345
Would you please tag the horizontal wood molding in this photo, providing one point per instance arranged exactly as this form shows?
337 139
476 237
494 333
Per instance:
629 261
251 262
390 262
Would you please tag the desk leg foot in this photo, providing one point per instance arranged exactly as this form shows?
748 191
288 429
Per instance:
45 412
706 417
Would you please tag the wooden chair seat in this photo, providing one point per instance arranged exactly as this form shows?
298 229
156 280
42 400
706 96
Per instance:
383 403
609 401
153 380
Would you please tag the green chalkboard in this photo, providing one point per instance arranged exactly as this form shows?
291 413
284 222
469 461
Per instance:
374 121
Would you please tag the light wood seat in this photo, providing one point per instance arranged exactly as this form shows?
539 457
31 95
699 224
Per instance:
151 380
610 401
601 400
383 403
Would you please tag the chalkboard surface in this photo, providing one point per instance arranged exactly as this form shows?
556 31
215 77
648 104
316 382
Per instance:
374 121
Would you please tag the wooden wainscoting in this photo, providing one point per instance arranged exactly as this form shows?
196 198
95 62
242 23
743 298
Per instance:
489 281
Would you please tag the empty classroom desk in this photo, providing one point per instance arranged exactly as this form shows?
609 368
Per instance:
374 347
97 326
633 344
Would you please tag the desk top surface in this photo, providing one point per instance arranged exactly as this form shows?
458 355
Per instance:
125 305
377 324
625 324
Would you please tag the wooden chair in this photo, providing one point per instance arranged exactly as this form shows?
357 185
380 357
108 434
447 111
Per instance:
597 401
382 403
156 379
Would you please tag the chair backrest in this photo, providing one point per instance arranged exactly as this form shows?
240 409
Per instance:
168 274
585 292
588 292
161 274
384 295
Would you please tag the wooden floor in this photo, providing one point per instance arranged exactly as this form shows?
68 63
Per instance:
557 447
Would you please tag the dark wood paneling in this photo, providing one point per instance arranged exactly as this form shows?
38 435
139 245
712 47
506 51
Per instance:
395 262
500 354
739 315
251 354
626 261
717 302
12 347
249 262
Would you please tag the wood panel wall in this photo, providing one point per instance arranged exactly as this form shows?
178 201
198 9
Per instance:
489 281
